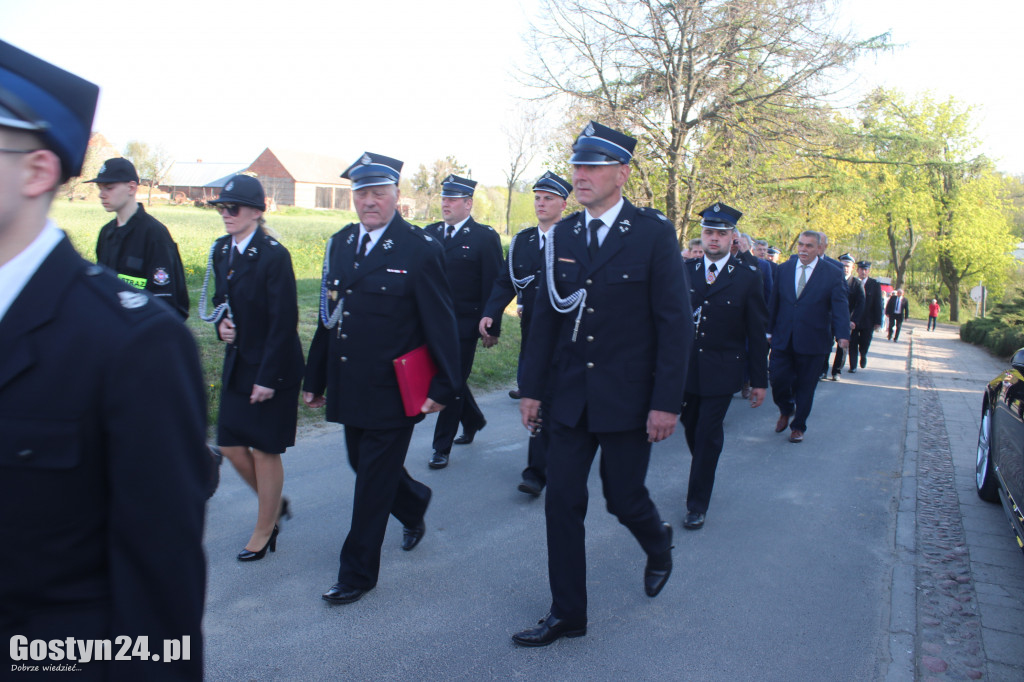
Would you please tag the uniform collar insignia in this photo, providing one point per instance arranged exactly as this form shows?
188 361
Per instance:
388 244
351 238
624 227
252 251
625 222
729 268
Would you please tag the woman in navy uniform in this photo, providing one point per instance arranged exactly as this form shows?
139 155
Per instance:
257 316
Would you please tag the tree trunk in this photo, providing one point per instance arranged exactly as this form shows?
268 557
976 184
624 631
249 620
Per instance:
508 211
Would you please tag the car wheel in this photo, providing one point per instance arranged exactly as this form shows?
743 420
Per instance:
987 483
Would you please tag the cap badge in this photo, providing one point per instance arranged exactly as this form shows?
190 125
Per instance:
589 130
366 160
717 208
450 178
132 300
230 186
103 169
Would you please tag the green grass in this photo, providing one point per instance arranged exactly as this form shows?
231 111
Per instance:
304 232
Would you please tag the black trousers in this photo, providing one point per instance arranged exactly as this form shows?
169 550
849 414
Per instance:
537 453
624 459
464 410
839 360
794 377
895 325
860 341
383 487
702 419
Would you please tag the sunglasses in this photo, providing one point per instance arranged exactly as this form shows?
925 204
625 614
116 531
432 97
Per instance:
230 209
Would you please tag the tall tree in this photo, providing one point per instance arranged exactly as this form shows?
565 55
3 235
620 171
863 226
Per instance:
151 163
684 75
427 181
523 144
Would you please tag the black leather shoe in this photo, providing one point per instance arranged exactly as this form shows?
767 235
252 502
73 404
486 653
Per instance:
249 555
548 630
468 435
530 487
835 377
693 521
412 536
514 394
343 594
853 370
658 568
439 460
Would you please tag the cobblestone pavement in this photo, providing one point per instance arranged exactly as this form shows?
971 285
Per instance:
964 617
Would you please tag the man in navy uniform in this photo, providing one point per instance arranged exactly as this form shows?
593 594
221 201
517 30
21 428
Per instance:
808 306
103 461
135 245
383 294
855 301
870 319
731 317
524 268
609 344
472 255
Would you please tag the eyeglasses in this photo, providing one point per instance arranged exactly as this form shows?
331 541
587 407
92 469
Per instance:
18 151
230 209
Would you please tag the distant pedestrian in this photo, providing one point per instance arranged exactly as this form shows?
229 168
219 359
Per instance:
808 306
896 310
135 245
870 319
258 320
933 314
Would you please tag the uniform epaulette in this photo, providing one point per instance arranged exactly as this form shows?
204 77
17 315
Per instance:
753 267
647 210
571 216
126 300
421 232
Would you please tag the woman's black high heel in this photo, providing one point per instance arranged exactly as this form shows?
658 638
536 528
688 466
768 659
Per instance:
248 555
286 513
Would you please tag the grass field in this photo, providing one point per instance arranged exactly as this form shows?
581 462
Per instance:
305 234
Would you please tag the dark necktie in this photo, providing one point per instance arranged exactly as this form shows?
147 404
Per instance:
362 247
594 226
449 231
542 241
712 273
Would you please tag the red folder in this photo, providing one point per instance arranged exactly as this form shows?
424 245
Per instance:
415 370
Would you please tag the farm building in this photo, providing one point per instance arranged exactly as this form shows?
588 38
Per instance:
198 181
302 179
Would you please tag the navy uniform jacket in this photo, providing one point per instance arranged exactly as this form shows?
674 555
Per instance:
396 300
527 259
143 249
261 292
632 349
855 299
103 467
809 321
764 267
871 315
472 258
732 322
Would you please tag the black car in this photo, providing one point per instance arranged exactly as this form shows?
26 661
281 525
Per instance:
1000 470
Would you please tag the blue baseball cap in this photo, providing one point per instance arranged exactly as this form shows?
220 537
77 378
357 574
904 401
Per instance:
599 145
373 169
56 105
549 182
456 187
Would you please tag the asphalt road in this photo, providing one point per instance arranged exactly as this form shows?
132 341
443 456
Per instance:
789 579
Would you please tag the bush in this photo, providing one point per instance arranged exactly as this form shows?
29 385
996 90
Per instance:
1002 332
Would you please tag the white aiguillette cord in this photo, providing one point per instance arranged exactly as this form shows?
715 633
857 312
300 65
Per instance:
574 300
224 307
519 284
333 320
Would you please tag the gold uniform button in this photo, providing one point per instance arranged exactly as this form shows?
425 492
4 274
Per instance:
590 365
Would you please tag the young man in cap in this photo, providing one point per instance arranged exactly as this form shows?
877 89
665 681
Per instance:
135 245
524 268
102 411
870 319
731 317
383 294
472 254
807 309
855 301
618 323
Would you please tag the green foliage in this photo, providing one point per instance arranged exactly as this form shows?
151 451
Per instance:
304 232
1002 332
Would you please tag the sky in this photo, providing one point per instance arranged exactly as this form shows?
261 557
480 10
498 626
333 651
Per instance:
222 80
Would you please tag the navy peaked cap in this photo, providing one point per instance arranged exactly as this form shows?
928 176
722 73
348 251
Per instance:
599 145
455 187
116 170
243 190
866 264
773 251
846 258
718 216
56 105
549 182
373 169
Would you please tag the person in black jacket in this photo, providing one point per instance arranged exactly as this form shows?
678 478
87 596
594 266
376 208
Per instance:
870 319
520 279
103 460
472 256
135 245
383 294
897 310
727 297
855 299
257 318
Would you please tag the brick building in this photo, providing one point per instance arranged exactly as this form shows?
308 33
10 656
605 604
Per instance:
303 179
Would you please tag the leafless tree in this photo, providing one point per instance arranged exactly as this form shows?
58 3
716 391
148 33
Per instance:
523 144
